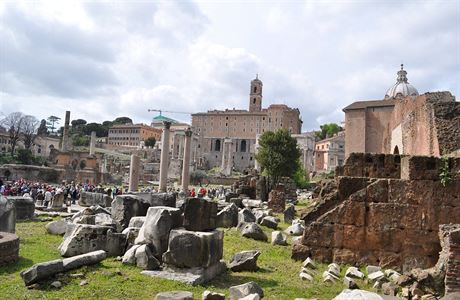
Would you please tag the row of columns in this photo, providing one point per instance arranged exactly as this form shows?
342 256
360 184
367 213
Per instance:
164 162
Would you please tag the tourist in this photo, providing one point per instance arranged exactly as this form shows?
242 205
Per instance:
48 197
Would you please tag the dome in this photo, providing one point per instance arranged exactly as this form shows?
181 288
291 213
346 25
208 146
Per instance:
402 88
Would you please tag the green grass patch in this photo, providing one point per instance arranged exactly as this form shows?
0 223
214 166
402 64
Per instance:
278 274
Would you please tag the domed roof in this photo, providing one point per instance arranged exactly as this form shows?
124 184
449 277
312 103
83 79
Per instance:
402 88
256 79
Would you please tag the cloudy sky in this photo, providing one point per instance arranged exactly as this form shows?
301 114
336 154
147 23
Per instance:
103 59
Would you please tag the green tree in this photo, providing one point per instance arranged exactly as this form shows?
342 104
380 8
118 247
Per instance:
278 155
150 142
42 129
327 131
100 129
122 120
52 121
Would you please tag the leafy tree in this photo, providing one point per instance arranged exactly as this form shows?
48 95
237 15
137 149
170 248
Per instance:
78 122
42 129
52 121
150 142
327 131
25 156
13 123
80 140
301 177
197 177
29 130
278 155
122 120
99 128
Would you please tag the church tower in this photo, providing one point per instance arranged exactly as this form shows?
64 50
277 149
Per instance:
255 95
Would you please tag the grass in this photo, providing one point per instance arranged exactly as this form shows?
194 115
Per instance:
278 274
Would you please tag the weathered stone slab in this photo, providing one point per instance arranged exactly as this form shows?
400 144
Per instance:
192 276
157 199
200 214
289 214
246 215
244 261
88 238
208 295
270 222
145 259
136 222
90 199
189 249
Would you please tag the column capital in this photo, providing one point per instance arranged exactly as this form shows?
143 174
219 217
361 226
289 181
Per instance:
166 124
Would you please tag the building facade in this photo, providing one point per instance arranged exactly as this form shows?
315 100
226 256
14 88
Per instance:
404 122
131 135
235 130
330 153
306 144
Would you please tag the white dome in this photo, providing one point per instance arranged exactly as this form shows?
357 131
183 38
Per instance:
402 88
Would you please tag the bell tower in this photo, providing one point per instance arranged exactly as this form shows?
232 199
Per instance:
255 95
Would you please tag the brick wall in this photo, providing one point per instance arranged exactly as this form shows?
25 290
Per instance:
452 280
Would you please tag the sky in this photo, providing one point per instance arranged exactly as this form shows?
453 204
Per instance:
105 59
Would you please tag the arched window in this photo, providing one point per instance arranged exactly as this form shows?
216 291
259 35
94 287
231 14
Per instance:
255 89
243 146
396 150
254 101
217 146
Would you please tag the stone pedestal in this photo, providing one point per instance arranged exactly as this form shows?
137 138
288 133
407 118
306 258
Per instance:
9 248
25 207
164 160
200 214
57 202
134 173
186 163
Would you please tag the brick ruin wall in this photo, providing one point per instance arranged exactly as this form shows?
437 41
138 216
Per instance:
391 222
447 122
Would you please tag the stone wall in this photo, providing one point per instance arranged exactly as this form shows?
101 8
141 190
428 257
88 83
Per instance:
452 280
372 165
390 222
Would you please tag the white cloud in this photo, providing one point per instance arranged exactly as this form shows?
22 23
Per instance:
107 59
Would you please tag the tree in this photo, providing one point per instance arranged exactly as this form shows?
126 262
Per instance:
278 155
13 124
327 131
52 120
42 129
29 130
99 128
78 122
150 142
122 120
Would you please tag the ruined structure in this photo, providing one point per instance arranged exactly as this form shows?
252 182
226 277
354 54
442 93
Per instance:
239 128
404 122
385 210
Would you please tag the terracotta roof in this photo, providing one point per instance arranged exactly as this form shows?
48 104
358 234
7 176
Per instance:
372 103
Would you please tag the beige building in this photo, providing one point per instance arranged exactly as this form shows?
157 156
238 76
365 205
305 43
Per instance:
131 135
236 130
404 122
330 153
306 144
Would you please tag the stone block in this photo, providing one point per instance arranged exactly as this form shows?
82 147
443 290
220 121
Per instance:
136 222
239 291
189 249
89 238
277 201
9 248
174 295
244 261
90 199
145 259
289 214
278 238
246 216
200 214
7 215
86 259
228 217
253 231
25 207
157 226
124 207
58 227
208 295
270 222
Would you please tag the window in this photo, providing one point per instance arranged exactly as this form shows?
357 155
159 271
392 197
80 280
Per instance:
255 89
254 101
243 146
217 145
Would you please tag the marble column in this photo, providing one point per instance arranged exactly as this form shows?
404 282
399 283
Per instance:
164 160
181 147
227 159
134 173
92 144
186 162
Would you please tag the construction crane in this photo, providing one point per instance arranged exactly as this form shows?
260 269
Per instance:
168 111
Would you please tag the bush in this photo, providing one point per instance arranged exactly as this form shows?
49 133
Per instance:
301 179
197 177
